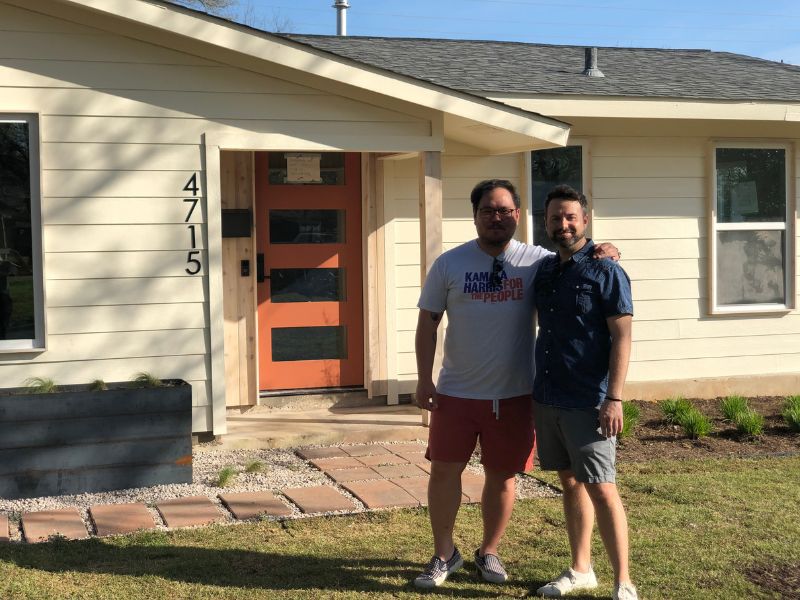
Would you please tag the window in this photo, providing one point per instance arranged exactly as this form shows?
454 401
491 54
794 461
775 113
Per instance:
550 168
751 258
21 305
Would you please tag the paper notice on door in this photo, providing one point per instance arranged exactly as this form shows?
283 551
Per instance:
303 168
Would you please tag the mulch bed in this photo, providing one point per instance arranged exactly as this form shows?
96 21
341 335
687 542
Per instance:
653 438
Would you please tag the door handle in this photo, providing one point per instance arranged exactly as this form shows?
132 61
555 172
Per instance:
261 276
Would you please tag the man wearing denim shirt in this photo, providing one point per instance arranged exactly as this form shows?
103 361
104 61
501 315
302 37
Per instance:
585 312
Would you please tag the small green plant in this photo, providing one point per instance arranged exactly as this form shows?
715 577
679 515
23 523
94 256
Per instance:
733 406
98 385
630 417
749 423
146 380
40 385
254 466
694 423
791 413
226 476
674 409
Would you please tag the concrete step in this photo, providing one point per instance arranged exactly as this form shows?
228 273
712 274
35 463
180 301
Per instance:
263 427
323 398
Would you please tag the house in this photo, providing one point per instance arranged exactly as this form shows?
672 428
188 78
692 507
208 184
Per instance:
253 212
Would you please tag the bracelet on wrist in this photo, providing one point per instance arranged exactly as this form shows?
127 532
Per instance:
613 399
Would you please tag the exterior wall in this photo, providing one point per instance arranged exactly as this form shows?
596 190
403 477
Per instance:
650 199
648 184
461 170
122 125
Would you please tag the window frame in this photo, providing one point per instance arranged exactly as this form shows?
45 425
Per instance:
37 343
585 146
788 226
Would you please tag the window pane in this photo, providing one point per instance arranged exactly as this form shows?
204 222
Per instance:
308 343
16 265
750 267
307 285
306 226
331 168
550 168
751 185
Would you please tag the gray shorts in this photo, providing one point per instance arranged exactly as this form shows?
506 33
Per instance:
570 439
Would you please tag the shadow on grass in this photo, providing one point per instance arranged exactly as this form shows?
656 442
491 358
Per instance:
234 568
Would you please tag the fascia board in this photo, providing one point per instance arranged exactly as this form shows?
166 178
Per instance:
652 108
294 55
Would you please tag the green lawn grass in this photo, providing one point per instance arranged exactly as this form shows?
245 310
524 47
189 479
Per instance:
695 526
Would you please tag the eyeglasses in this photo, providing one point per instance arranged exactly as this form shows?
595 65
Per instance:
488 213
497 268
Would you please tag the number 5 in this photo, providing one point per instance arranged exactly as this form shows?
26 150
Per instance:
195 263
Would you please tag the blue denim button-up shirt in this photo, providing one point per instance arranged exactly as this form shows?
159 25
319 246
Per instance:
573 346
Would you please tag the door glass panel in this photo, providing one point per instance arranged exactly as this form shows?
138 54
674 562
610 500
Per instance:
306 227
309 343
751 264
307 285
296 168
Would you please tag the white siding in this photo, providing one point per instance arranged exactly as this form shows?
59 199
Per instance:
121 126
460 171
650 200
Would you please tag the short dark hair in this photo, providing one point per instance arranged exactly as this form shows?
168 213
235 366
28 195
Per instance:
486 186
565 192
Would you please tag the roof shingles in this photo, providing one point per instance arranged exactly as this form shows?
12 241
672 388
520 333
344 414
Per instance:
491 68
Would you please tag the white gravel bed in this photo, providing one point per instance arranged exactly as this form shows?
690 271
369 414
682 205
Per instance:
282 469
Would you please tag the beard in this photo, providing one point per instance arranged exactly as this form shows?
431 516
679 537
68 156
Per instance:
567 242
497 236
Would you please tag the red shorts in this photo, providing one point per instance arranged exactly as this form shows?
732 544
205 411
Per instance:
507 443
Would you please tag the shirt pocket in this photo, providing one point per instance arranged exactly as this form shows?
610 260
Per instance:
584 298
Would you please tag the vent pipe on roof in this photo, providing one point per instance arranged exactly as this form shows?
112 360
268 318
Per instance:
590 64
341 7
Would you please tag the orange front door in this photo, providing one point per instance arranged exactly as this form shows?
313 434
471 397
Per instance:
308 238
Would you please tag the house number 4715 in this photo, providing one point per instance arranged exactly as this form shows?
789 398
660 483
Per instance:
192 257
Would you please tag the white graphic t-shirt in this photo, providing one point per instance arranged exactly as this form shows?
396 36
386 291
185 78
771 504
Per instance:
488 347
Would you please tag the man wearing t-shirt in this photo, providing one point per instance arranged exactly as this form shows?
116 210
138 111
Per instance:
484 388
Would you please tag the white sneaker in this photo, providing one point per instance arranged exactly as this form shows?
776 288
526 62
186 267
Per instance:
625 591
570 581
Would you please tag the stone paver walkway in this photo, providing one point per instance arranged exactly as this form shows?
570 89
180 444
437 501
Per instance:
65 522
380 476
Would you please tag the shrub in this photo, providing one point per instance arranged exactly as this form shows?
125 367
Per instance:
675 408
733 406
749 422
226 476
630 416
146 380
791 413
695 424
98 385
254 466
40 385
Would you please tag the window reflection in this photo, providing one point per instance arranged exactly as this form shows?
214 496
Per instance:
17 311
307 285
306 226
308 343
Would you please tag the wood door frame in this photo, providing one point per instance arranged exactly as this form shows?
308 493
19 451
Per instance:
373 282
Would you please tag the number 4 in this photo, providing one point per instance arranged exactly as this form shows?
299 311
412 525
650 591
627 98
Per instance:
191 185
